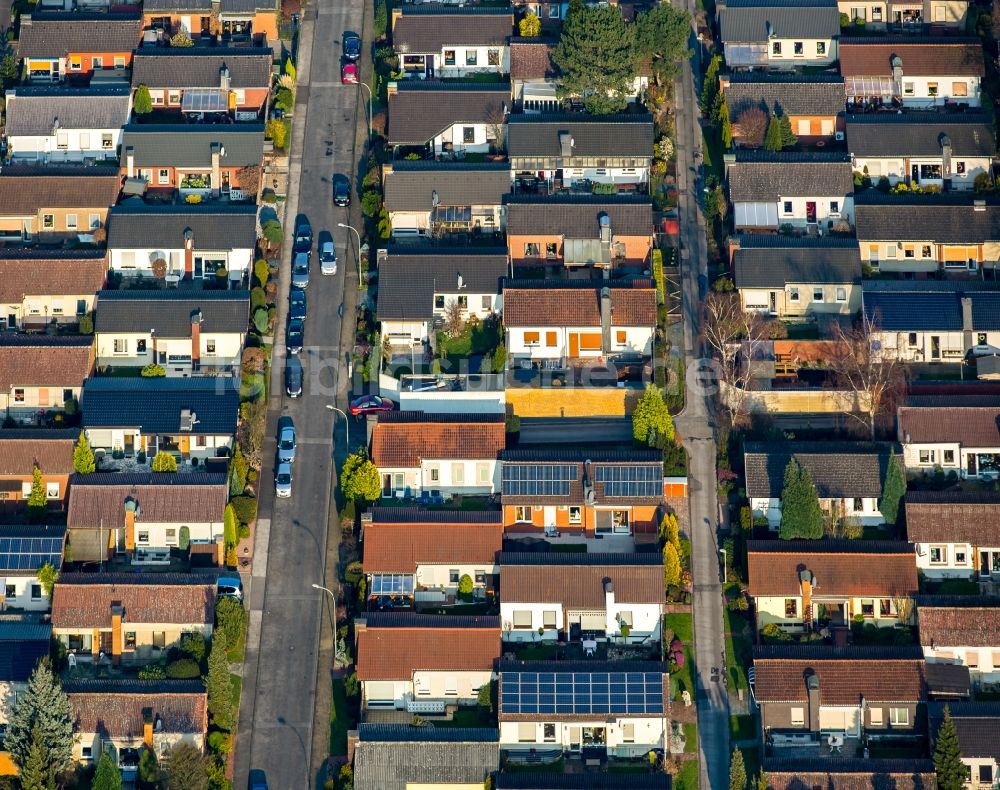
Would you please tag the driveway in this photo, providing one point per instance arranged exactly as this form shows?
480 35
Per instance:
295 547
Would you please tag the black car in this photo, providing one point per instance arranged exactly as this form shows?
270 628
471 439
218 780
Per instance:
352 47
341 191
293 336
303 235
297 305
293 377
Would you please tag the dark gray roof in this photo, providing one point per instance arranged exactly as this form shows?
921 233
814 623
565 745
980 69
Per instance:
172 145
756 20
582 781
838 469
790 94
951 218
33 111
153 226
418 111
395 765
244 6
758 176
577 216
155 405
409 278
978 725
52 34
22 642
922 305
169 312
409 733
429 30
411 185
773 261
593 135
177 5
198 67
920 134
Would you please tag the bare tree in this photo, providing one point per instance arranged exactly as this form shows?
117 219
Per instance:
496 129
249 179
454 318
861 364
750 127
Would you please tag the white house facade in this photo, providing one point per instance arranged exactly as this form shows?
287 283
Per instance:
957 534
963 441
452 42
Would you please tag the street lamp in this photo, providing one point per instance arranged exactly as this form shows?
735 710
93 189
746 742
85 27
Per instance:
347 426
334 597
724 575
365 86
355 232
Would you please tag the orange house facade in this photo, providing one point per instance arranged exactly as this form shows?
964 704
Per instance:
21 450
222 22
814 104
75 47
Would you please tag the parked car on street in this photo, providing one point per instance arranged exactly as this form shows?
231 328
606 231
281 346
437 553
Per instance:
293 377
352 47
349 73
300 270
297 305
229 587
370 404
327 253
303 235
341 190
258 781
283 481
294 336
286 439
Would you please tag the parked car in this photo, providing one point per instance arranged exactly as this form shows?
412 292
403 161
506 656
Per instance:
327 253
297 305
303 235
229 587
352 47
283 481
300 270
286 439
370 404
293 377
341 191
349 73
294 335
258 781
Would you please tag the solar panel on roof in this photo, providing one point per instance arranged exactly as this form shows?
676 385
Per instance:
630 481
29 554
595 693
538 479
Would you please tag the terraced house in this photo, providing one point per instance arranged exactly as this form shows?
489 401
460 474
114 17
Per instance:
954 437
78 47
21 450
41 377
814 103
775 35
957 533
42 287
434 42
447 120
962 630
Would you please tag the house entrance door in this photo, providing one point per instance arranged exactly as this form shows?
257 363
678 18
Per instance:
574 344
810 211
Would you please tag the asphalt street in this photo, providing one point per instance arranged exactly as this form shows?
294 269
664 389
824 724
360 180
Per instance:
284 647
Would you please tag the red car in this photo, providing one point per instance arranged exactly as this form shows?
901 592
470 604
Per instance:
370 404
349 73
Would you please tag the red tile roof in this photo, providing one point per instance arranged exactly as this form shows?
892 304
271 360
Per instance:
78 602
866 58
531 59
529 307
398 443
99 499
960 626
26 191
970 426
21 450
20 277
45 364
953 518
581 586
868 775
396 653
842 681
122 715
400 548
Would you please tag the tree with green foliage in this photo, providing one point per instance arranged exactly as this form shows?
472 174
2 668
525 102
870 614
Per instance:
737 771
83 456
530 26
788 138
38 503
36 772
230 619
47 577
262 271
181 39
772 137
230 526
500 358
671 566
948 765
9 72
652 424
142 102
290 68
152 371
725 126
710 85
238 468
276 131
485 697
359 478
185 767
149 770
801 516
164 462
661 34
465 586
108 777
670 531
220 699
42 706
194 645
597 59
893 490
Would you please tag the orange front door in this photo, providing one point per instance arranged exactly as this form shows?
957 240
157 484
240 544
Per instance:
574 345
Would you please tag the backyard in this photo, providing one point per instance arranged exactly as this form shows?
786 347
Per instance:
681 627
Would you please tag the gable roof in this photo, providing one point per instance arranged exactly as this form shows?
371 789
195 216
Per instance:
838 469
52 450
622 135
394 647
198 67
99 499
24 190
790 94
411 186
44 361
950 218
758 176
547 304
429 30
577 581
969 426
402 547
578 216
23 641
914 305
842 773
186 145
215 227
531 59
953 517
894 135
583 781
756 20
923 56
39 272
405 439
118 708
839 567
155 405
419 111
85 600
978 725
959 621
53 34
401 758
170 312
846 674
33 111
774 261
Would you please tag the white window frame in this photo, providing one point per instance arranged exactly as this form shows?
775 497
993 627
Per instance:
797 716
899 717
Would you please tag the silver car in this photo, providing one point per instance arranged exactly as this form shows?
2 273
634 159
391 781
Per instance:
286 439
300 270
327 254
283 480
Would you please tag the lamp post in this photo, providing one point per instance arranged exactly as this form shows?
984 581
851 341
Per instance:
334 597
355 232
724 574
365 86
347 426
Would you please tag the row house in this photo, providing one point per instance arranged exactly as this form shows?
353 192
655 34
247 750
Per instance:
183 242
579 230
77 47
187 333
848 477
191 418
416 556
813 103
447 42
953 437
956 533
797 277
24 550
915 72
50 204
41 375
589 596
55 124
237 22
551 153
811 585
954 232
534 75
775 35
907 15
597 493
770 191
130 619
421 663
438 199
962 630
922 150
848 773
24 641
418 285
206 82
438 455
526 779
448 120
978 728
41 287
142 517
24 449
213 161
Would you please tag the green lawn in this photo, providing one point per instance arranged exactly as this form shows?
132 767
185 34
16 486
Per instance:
682 626
467 717
690 737
742 728
340 720
236 686
536 768
536 653
802 330
687 779
478 339
739 649
712 151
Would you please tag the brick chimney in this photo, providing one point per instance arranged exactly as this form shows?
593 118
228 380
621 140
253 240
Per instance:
812 690
606 320
147 727
188 253
967 325
130 508
806 585
196 339
217 151
117 639
130 161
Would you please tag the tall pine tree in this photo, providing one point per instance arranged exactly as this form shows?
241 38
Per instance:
43 706
83 456
737 771
220 701
893 489
36 772
801 516
772 137
108 777
948 763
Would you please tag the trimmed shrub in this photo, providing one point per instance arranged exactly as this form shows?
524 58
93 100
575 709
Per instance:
245 508
183 669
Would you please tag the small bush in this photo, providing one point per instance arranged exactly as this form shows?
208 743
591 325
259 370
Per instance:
257 299
245 508
244 531
772 633
353 572
371 203
152 672
153 371
194 645
184 669
87 324
220 742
